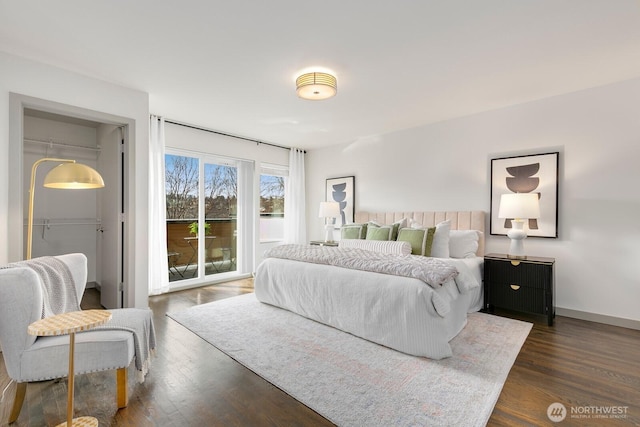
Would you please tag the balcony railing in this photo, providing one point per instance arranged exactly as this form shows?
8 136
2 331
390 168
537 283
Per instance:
182 247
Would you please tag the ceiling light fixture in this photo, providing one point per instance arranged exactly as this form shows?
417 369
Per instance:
316 86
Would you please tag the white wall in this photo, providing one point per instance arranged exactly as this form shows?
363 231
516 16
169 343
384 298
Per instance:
446 166
41 81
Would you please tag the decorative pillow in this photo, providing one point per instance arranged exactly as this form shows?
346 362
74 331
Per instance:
463 243
415 224
385 247
404 222
440 246
394 227
353 231
420 239
379 232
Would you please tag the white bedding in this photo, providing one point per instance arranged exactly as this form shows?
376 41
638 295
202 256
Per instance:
397 312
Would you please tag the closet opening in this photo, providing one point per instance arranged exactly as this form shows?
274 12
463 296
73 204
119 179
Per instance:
92 221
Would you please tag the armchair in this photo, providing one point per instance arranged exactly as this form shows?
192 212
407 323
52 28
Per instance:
29 358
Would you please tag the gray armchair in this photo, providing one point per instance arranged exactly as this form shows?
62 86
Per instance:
29 358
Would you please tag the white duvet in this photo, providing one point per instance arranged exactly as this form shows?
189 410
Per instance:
398 312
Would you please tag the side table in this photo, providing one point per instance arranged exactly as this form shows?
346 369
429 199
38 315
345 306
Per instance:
322 243
70 323
525 285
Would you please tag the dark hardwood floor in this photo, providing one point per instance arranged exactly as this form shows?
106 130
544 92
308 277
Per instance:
583 365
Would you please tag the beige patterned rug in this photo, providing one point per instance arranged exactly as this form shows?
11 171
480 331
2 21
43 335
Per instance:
353 382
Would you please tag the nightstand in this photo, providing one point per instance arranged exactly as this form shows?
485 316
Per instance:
526 285
322 243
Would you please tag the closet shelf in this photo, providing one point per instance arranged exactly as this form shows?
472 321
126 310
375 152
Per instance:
61 144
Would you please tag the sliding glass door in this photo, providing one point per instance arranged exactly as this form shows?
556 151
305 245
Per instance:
220 217
202 216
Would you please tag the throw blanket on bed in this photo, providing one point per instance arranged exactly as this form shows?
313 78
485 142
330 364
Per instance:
58 287
431 271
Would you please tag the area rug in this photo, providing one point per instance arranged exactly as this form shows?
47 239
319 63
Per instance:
353 382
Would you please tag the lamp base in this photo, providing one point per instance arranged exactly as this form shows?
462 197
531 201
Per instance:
517 235
328 233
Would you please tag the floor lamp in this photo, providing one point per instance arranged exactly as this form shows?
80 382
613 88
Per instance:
69 176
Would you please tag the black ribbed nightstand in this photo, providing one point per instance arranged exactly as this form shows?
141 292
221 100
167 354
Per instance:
526 285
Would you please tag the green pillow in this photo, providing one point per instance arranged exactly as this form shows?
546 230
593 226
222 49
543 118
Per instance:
394 228
353 231
377 232
420 239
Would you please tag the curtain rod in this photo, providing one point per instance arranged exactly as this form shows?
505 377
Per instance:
173 122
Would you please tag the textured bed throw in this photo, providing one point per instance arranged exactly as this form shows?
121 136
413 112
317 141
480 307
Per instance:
432 271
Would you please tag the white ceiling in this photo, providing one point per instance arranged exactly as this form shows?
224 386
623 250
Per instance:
231 65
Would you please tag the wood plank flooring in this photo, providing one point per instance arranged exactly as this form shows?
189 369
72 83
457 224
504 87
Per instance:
581 364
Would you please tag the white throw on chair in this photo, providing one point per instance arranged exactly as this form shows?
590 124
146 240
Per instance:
29 358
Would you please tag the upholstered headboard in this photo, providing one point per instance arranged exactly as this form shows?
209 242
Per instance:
460 220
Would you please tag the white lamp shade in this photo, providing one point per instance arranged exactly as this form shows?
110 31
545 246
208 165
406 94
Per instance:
329 210
519 205
73 176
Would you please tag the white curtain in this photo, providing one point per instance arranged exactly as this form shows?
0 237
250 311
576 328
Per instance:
295 227
158 264
246 218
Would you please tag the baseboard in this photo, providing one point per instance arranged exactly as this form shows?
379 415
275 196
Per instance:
600 318
175 288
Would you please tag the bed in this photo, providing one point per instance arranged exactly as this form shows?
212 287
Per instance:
399 312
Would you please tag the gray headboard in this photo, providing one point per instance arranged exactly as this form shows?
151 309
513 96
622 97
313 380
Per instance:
460 220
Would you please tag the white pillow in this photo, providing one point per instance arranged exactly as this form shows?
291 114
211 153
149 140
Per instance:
463 243
440 245
402 223
381 246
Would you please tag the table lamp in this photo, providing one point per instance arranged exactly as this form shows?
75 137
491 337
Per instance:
329 211
69 176
518 207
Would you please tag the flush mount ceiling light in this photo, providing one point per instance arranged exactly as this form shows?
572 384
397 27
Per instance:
316 86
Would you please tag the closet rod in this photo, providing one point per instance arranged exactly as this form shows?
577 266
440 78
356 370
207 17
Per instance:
47 224
60 144
173 122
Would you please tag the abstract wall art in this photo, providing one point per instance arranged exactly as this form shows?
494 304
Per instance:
342 190
536 173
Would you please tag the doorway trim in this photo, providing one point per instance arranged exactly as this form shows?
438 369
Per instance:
17 104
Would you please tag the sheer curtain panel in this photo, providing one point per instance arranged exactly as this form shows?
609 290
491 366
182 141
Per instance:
246 238
158 264
294 200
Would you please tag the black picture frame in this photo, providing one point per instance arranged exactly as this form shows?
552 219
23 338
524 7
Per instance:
523 174
342 190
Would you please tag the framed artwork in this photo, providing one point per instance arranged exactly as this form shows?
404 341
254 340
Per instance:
536 173
342 190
